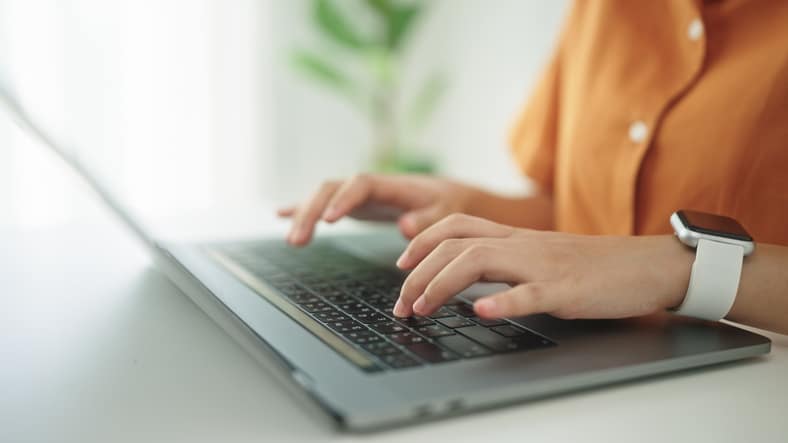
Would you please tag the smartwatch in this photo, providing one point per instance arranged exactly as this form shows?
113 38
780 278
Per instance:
720 244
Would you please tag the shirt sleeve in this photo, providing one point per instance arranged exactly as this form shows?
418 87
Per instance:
533 139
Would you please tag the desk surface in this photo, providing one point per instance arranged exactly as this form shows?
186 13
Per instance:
95 345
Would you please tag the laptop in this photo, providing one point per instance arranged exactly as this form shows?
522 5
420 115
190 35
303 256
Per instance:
320 319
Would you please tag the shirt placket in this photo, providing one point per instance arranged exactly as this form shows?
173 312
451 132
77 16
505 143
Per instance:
644 125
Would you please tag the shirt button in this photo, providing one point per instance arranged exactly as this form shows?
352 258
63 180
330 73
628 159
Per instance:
695 30
638 131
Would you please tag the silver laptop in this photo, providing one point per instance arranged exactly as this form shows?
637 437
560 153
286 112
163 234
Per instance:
320 317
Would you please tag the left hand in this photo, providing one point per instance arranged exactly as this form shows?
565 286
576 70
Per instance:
565 275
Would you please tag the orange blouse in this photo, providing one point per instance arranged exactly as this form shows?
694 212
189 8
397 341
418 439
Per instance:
651 106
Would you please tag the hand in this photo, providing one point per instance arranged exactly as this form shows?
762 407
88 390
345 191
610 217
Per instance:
568 276
425 200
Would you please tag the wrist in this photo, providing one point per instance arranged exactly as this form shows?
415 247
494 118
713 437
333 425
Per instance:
478 202
677 260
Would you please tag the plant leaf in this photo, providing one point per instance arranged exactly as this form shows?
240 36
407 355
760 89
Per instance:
323 71
400 22
382 7
333 23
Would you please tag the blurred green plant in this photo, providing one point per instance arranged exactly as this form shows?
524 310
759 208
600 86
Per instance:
372 36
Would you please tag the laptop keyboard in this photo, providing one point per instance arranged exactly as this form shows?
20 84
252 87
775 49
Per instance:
354 298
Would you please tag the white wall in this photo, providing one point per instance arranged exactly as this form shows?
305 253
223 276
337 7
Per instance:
167 100
493 51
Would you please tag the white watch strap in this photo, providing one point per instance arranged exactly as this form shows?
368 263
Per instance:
714 280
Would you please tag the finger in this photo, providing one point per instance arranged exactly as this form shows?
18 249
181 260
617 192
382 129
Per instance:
287 211
521 300
478 262
415 284
307 215
386 189
414 222
453 226
352 194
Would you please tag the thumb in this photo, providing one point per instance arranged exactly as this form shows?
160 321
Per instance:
413 222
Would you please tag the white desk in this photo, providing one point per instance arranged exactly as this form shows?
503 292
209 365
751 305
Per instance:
96 346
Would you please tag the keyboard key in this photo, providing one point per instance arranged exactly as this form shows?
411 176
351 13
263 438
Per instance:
354 307
322 288
530 340
365 293
434 331
370 317
462 346
400 361
346 326
303 297
381 348
338 299
388 327
415 321
363 337
432 353
406 338
464 309
442 312
331 316
455 322
317 306
489 322
386 306
490 339
509 330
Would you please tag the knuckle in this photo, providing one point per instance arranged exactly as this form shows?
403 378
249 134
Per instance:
456 218
477 252
535 293
449 245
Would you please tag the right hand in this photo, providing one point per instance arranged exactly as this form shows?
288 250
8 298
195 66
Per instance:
424 200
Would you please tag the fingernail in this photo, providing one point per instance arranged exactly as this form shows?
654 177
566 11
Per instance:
398 311
402 259
420 306
486 307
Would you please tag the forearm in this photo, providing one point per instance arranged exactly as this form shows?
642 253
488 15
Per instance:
762 300
535 212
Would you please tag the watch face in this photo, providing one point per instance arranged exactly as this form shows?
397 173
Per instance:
712 224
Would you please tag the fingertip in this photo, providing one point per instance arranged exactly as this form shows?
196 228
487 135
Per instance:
487 308
400 310
331 215
299 237
407 226
404 260
285 212
420 307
